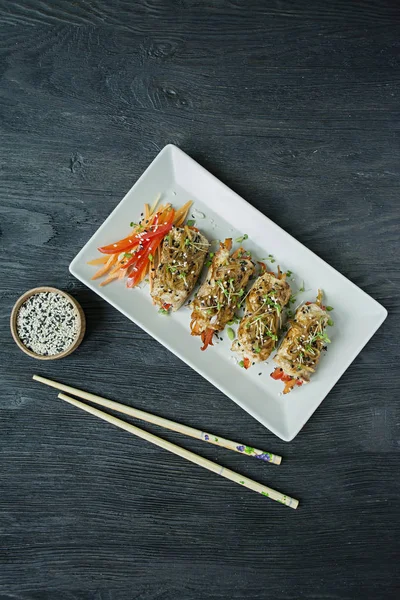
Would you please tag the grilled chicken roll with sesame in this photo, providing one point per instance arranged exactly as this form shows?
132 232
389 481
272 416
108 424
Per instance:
259 328
182 257
221 292
301 349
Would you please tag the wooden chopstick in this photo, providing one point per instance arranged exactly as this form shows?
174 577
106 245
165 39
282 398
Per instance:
178 427
187 454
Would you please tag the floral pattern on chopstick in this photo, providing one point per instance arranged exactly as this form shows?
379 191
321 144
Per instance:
249 450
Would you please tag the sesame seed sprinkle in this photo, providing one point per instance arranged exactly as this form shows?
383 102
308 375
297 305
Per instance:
47 323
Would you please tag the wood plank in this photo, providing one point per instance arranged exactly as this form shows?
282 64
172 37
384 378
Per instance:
293 105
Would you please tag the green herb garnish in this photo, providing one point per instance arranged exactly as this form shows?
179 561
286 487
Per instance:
128 254
289 273
241 239
241 364
133 224
329 308
257 349
270 302
150 257
302 289
163 311
330 323
323 337
271 335
191 222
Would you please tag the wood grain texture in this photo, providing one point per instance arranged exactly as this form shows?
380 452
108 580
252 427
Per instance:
296 107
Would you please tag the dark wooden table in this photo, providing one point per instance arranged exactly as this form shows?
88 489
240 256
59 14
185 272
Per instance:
295 106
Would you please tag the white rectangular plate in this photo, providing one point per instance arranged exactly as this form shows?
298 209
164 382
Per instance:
357 316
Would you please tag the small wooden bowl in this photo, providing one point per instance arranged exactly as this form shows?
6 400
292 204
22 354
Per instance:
79 313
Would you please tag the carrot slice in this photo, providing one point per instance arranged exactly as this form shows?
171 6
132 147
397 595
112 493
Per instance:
110 278
103 270
98 261
289 386
182 213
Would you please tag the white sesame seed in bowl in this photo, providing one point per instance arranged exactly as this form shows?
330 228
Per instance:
47 323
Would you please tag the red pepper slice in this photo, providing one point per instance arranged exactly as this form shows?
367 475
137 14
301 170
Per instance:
246 363
286 377
127 243
137 254
141 260
141 263
299 382
207 337
133 259
140 238
277 373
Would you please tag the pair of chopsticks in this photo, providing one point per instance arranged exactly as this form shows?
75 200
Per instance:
178 427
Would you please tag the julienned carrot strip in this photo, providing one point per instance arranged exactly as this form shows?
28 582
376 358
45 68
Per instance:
117 268
182 212
98 261
289 385
110 278
143 275
103 270
154 205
